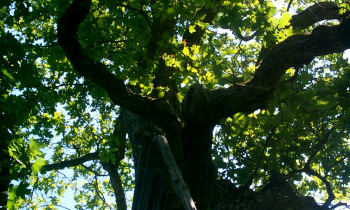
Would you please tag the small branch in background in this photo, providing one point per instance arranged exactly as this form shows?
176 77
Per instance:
70 163
336 163
330 193
93 171
245 38
98 191
318 147
291 80
251 178
289 4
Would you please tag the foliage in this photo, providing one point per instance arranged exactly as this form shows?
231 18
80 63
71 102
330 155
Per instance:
50 114
306 123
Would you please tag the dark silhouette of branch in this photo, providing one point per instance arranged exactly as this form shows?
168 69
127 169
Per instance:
330 193
140 11
309 171
339 205
318 147
251 178
244 38
158 110
98 191
289 4
88 168
336 163
70 163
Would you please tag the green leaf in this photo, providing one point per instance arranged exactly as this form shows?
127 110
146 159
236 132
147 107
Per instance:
35 147
192 29
186 51
284 21
37 165
8 75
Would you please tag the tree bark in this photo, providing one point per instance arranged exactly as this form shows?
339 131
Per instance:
117 185
152 186
175 175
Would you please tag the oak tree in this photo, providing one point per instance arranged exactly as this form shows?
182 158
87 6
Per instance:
209 104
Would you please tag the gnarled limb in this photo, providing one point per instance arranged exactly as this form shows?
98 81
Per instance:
156 109
315 13
295 51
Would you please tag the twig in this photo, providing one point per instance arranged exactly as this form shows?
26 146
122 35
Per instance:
250 181
317 148
336 163
289 4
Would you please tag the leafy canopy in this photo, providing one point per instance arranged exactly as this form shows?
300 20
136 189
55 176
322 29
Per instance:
51 114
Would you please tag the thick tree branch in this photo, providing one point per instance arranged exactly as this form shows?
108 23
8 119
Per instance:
298 50
70 163
158 110
315 13
295 51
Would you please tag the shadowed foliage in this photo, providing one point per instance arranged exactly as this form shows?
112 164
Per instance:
208 104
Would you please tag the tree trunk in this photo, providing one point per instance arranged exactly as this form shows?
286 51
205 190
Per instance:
152 186
153 189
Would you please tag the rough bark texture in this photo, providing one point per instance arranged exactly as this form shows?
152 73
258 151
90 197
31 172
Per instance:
175 175
118 189
189 127
152 188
